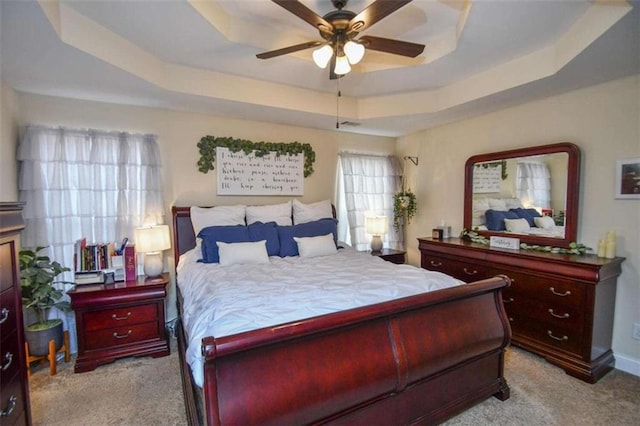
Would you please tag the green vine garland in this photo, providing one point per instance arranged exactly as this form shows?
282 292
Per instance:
574 248
400 207
207 147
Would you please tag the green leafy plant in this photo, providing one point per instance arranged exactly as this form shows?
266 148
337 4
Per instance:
208 145
574 248
39 290
404 204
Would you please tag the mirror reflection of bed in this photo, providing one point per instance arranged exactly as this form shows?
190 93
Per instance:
530 193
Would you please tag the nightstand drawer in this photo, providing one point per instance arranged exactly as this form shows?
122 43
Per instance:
120 317
121 335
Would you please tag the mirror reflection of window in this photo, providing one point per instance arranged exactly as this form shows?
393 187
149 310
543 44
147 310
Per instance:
533 185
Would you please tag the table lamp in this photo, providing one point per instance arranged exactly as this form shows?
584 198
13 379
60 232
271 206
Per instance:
376 225
151 241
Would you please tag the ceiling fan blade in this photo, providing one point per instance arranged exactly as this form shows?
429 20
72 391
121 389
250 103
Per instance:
306 14
375 12
395 47
290 49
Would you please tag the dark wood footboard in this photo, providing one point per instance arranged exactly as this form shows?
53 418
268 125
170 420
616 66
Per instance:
420 359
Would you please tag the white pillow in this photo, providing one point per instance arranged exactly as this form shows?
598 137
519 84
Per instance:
235 253
316 246
201 217
513 203
481 204
497 204
303 213
278 213
545 222
478 218
517 225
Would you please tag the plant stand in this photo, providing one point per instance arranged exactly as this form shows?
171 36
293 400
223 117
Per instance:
51 356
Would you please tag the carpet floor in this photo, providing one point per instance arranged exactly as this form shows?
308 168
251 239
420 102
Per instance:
147 391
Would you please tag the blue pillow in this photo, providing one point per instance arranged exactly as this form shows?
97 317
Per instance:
227 234
288 246
259 231
495 219
525 214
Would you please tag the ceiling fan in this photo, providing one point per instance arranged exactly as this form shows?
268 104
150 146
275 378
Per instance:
339 29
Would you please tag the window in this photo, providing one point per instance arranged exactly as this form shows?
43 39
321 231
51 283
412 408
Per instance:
365 187
86 183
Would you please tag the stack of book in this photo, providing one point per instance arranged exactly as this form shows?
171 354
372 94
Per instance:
104 262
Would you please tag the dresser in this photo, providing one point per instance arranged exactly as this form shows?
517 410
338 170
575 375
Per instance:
559 306
14 386
119 320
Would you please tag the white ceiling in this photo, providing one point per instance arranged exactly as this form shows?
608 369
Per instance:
200 56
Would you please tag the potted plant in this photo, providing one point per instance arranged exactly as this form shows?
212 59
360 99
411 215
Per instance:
40 293
404 204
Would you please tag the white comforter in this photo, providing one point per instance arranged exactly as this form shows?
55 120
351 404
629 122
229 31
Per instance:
225 300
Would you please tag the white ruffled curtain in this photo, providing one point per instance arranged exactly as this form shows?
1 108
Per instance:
85 183
533 184
366 186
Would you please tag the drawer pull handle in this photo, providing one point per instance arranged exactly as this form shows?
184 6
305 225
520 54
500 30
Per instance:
470 272
566 293
510 319
8 357
12 404
509 300
117 318
123 336
434 263
565 315
5 315
562 339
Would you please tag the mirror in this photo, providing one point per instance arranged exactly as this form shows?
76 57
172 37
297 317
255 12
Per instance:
524 184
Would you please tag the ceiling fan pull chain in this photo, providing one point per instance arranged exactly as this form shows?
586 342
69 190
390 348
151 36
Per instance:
338 104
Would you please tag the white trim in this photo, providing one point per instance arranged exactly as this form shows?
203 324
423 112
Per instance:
628 365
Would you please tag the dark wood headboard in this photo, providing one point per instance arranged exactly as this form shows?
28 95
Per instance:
184 238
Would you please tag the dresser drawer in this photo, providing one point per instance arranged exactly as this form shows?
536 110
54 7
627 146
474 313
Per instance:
552 291
465 271
9 356
120 317
12 400
544 313
121 335
8 317
553 335
7 277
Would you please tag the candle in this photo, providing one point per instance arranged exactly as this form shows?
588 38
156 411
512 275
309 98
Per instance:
601 248
610 249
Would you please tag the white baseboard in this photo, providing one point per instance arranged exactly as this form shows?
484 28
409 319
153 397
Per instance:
628 365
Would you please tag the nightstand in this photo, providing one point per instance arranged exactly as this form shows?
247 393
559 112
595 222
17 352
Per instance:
390 255
119 320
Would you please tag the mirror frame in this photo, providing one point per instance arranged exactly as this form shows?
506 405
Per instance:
572 194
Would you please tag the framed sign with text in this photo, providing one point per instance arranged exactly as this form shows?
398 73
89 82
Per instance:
248 174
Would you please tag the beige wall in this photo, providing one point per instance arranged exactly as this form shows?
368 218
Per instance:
8 143
602 120
179 132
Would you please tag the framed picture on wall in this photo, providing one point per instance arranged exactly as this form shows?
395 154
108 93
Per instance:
628 178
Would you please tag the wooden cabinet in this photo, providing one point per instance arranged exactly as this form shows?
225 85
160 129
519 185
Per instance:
120 320
559 306
390 255
14 386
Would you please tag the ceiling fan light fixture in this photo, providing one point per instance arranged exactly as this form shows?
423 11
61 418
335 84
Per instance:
322 56
354 52
342 65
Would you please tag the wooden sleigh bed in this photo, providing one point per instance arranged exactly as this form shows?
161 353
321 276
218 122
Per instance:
417 360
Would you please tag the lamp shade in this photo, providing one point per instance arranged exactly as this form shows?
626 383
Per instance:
152 239
376 225
354 52
322 56
342 65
